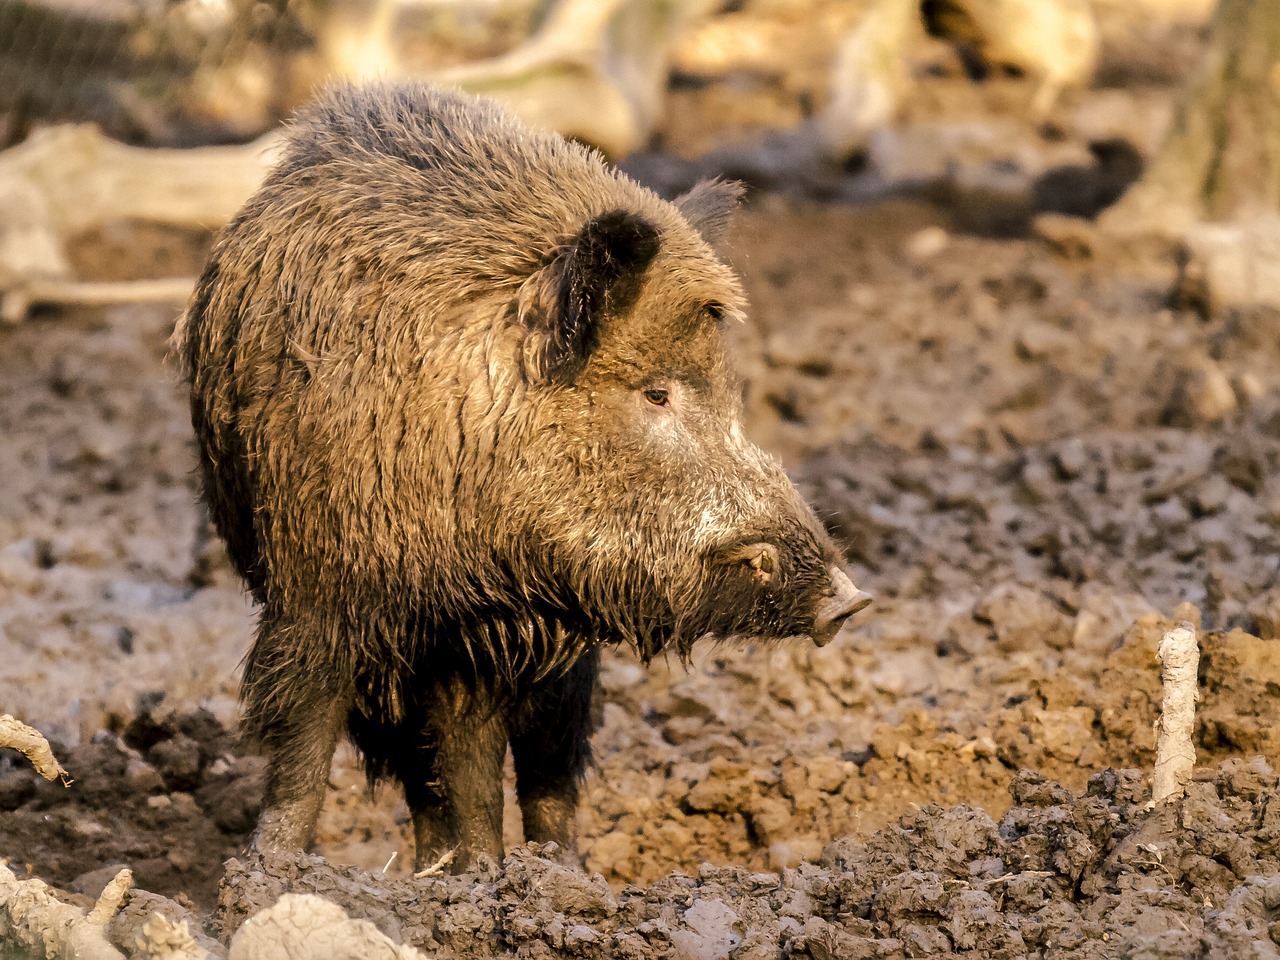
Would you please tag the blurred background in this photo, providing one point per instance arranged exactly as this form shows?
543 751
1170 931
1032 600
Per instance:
1000 110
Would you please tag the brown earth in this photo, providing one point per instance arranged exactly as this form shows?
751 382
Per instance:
1033 460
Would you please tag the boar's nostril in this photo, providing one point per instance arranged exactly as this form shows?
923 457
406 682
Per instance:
835 610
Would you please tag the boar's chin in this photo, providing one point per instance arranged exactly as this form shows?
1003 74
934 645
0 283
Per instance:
727 623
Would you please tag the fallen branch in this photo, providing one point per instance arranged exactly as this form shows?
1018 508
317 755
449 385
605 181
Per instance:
16 302
1179 656
595 70
68 179
88 180
31 743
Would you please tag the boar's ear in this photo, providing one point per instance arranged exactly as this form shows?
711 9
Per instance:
709 205
563 301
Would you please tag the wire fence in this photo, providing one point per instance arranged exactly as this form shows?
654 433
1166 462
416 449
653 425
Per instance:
187 72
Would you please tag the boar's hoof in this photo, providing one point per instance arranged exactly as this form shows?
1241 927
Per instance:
847 601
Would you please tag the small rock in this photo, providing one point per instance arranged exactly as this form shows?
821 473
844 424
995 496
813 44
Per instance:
307 927
1265 610
927 243
1072 238
1170 514
1023 618
579 935
1231 265
996 198
1201 394
786 854
234 804
771 818
1039 341
178 761
16 788
92 882
725 790
1103 618
1211 496
557 889
141 777
711 930
184 805
828 774
923 153
1071 458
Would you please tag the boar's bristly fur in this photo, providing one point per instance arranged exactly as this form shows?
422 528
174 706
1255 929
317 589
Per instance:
465 414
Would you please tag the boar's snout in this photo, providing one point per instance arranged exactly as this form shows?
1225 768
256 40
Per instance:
836 609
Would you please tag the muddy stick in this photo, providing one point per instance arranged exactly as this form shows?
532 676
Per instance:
1179 656
31 743
111 897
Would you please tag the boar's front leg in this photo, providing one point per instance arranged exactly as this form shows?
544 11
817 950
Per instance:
551 746
299 715
463 801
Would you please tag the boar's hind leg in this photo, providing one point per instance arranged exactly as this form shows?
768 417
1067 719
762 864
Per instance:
551 745
408 751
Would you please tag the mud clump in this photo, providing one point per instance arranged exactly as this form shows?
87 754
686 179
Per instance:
1062 873
171 798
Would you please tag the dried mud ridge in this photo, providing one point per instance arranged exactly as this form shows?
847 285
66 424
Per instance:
1062 874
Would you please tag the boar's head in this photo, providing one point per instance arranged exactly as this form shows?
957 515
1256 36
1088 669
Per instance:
638 499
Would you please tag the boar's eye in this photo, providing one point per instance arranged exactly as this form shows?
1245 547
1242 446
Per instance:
658 396
715 311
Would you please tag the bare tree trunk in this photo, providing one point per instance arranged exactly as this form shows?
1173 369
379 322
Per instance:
1221 159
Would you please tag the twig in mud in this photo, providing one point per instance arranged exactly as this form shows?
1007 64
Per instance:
110 898
446 858
390 860
1006 877
31 743
1179 655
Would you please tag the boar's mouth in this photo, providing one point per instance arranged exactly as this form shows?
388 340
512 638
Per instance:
762 600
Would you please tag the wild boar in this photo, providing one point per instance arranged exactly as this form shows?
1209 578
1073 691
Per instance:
465 415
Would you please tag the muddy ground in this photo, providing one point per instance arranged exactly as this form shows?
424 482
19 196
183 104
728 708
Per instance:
1037 463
